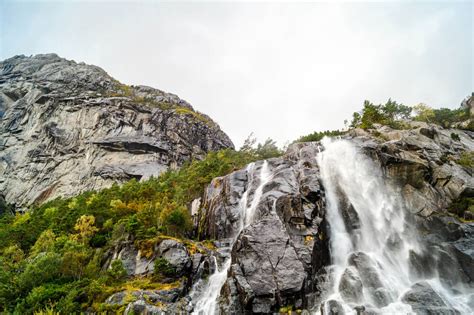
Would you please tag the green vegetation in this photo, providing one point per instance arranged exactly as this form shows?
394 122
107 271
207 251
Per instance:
51 257
317 136
444 117
262 151
163 268
391 113
463 207
467 159
455 137
394 115
201 117
123 90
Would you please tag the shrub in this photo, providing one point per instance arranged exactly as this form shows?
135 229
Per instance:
117 271
455 136
43 269
466 159
163 268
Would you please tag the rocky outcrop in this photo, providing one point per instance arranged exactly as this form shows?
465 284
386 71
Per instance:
279 259
274 259
154 302
66 124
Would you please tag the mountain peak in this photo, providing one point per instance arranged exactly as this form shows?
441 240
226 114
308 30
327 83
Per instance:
67 124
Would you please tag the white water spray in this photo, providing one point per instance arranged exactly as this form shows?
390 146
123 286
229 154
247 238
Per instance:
370 241
207 297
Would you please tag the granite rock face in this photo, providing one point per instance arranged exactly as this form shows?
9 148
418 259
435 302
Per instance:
279 259
66 124
422 161
275 254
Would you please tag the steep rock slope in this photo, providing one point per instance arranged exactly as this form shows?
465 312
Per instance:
67 127
279 259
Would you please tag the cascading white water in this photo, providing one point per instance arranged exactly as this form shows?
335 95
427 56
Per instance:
374 252
207 295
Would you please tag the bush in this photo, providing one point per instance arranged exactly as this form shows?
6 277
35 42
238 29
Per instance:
455 136
163 268
117 271
444 117
43 269
466 159
462 205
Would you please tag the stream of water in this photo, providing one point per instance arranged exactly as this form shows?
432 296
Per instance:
370 241
207 294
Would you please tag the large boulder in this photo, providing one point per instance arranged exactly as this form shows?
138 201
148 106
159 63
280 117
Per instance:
424 300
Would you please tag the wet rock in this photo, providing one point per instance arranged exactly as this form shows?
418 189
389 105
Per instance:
424 300
332 307
229 301
349 215
221 204
350 286
269 262
423 265
366 310
370 278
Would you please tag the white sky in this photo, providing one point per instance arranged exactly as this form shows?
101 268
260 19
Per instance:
279 70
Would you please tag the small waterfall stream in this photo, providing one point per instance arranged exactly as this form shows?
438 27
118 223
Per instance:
370 238
206 296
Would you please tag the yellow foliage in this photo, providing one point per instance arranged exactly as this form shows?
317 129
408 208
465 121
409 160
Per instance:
21 218
91 199
85 227
72 204
13 254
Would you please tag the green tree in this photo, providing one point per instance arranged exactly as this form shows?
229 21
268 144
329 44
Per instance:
42 269
44 243
424 113
116 270
85 228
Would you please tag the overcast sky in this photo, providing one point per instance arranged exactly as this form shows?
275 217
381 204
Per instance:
279 70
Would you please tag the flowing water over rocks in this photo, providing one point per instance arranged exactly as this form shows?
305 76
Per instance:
355 225
206 294
359 225
372 243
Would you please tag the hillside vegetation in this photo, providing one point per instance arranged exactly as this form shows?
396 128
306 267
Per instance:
51 256
396 115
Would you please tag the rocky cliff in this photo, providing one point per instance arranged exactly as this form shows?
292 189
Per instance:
272 235
70 125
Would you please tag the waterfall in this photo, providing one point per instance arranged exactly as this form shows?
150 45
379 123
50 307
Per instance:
370 238
207 294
